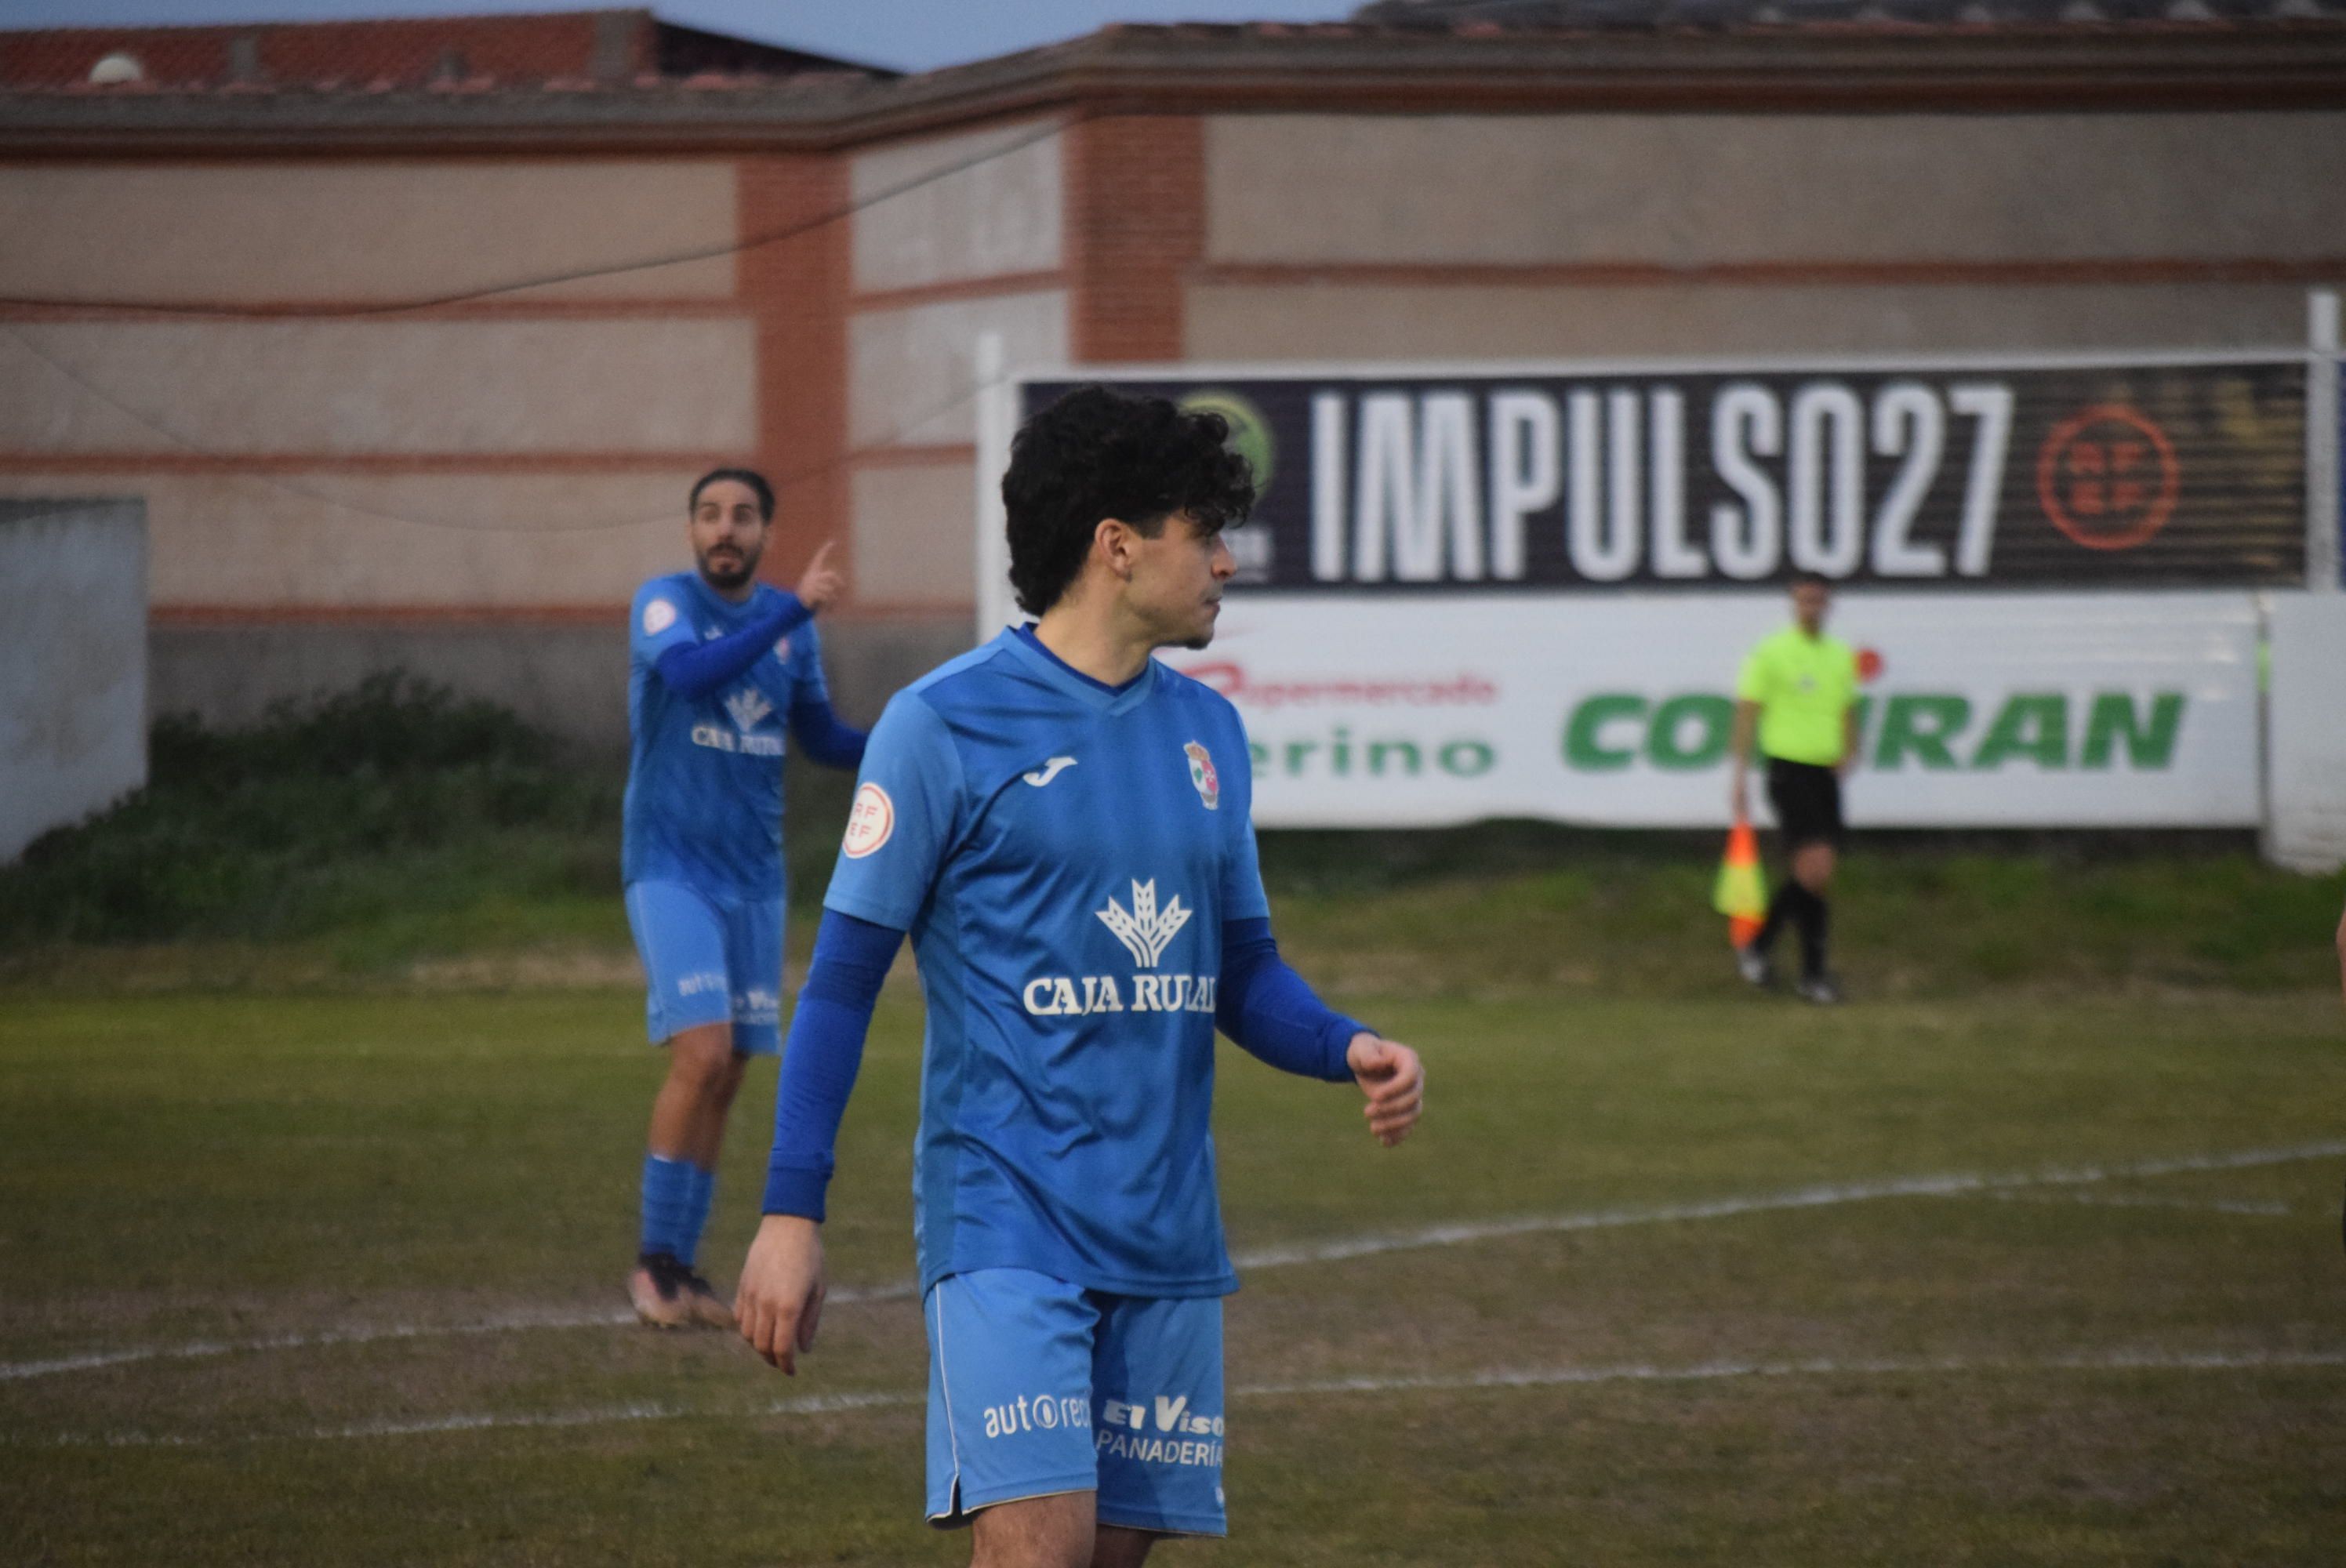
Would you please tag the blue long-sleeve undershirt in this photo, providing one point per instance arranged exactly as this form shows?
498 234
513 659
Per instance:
1269 1010
823 1056
697 671
700 669
821 735
1263 1005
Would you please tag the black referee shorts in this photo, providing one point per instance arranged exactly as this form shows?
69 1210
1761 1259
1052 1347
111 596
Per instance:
1807 800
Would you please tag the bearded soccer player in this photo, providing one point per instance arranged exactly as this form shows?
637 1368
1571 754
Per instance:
1061 824
719 665
1798 693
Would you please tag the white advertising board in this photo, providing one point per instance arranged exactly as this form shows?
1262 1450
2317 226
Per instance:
2307 826
2023 710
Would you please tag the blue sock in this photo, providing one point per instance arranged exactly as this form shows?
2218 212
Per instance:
668 1207
700 1189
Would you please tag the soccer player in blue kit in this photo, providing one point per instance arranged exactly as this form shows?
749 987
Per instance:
1061 824
720 662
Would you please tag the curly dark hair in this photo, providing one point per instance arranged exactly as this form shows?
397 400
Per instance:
1096 453
748 476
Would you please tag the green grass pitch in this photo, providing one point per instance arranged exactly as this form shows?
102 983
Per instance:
331 1278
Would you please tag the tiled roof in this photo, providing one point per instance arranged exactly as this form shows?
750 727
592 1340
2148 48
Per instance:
1617 14
1545 58
576 46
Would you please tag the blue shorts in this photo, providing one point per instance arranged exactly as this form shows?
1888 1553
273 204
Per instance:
710 960
1037 1386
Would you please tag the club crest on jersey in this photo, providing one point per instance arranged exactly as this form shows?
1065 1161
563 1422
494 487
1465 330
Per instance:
749 708
1201 774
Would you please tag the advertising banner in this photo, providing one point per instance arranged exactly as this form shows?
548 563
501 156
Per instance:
2307 770
2021 709
1972 475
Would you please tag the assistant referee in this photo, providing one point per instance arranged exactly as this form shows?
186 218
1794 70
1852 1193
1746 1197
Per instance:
1798 691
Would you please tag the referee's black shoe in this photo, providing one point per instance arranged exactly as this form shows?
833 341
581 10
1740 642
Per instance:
1753 965
1823 990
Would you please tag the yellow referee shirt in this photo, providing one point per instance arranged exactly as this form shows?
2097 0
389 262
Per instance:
1804 687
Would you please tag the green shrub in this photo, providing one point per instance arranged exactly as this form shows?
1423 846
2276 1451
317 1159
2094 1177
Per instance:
395 793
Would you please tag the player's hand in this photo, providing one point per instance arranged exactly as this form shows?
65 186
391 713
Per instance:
1393 1079
780 1300
822 582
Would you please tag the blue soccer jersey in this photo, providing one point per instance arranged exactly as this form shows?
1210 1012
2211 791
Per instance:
704 802
1064 856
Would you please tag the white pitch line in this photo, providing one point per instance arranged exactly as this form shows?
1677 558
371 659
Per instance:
805 1405
366 1334
360 1335
2254 1206
600 1415
1817 1197
1502 1378
1707 1372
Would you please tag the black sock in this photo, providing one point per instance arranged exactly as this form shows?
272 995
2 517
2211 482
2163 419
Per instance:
1782 910
1816 923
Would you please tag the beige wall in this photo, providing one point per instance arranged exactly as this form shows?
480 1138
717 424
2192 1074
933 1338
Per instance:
913 532
1001 213
1692 188
322 539
1357 324
219 233
351 387
911 372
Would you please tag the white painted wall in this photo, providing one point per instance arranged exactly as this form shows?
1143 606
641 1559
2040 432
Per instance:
346 230
453 538
73 662
913 371
952 208
378 387
1688 189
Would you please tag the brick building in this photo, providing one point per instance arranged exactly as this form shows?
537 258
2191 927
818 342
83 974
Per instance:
410 335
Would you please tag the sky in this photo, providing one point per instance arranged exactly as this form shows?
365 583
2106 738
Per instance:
906 35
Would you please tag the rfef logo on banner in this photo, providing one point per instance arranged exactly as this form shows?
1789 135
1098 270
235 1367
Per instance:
2108 478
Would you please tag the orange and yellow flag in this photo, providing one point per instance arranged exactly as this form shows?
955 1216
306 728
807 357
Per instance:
1741 892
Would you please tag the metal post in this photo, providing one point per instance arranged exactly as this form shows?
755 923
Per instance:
2322 565
997 417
